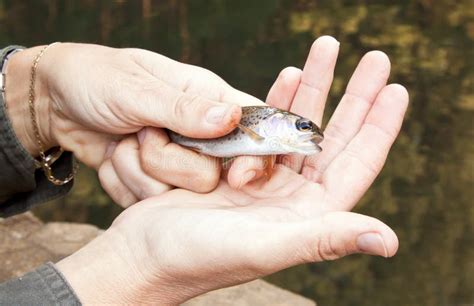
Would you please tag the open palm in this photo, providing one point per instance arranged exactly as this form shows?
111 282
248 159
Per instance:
201 242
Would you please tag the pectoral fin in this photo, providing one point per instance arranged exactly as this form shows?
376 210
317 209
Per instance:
255 137
227 162
269 165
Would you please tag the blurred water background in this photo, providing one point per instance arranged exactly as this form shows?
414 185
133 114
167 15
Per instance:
425 191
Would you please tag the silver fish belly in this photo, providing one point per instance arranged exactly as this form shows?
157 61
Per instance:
234 144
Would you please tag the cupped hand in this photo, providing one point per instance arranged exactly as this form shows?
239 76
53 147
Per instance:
303 92
89 97
181 244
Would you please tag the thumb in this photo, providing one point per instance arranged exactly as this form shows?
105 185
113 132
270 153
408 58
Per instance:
188 114
338 234
332 236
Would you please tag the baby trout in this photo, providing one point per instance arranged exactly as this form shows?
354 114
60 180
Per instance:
263 130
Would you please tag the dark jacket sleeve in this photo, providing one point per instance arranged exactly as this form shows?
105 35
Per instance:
43 286
21 185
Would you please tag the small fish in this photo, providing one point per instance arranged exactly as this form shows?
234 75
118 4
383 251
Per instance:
263 130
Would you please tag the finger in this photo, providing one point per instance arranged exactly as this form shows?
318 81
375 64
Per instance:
245 169
354 169
316 79
282 94
283 91
335 235
155 103
338 234
172 164
114 187
126 162
369 78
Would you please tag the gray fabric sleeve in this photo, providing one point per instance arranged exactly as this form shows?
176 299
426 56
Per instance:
21 186
43 286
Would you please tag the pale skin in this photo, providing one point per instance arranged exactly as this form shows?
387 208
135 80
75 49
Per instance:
88 97
179 244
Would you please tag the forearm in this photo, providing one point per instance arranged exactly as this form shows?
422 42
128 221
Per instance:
20 188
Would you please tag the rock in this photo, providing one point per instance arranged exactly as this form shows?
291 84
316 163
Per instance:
253 293
25 243
63 239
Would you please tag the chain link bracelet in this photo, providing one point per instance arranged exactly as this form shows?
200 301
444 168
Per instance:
45 161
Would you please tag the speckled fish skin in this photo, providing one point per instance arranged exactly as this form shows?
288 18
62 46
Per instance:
276 132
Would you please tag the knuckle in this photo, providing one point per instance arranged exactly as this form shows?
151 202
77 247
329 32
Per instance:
330 249
123 150
208 181
322 249
199 175
372 165
336 134
152 161
126 200
325 246
184 104
180 169
118 154
120 195
102 177
161 163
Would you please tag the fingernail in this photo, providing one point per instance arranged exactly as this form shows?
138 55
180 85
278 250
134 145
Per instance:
247 177
141 135
110 149
372 243
216 114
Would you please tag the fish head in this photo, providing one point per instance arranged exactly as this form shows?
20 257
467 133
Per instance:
291 133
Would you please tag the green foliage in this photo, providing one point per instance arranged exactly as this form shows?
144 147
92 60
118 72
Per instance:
425 191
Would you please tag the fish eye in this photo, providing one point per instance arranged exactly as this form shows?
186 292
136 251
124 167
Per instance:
304 125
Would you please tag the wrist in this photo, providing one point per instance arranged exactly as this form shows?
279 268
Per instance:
18 72
105 272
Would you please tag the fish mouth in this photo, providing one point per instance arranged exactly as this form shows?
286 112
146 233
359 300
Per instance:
308 148
308 144
315 138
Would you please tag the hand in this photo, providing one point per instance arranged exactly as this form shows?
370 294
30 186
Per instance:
302 92
304 95
181 244
89 97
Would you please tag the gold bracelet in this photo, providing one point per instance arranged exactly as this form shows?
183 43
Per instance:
45 161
